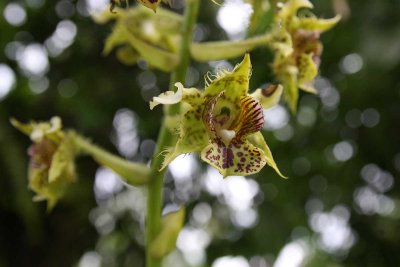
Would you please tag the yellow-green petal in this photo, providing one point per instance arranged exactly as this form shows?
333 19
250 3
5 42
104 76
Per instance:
268 96
235 83
307 68
290 84
156 57
25 128
193 136
258 140
152 4
316 24
290 9
116 38
62 163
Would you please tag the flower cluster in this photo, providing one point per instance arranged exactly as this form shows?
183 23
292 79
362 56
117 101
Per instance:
223 122
298 48
51 166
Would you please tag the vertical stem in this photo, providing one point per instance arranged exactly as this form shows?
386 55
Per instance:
154 197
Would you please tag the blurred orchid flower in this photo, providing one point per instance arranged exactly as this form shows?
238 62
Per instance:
298 48
51 166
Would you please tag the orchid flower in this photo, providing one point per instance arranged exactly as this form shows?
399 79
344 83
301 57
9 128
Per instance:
298 48
140 34
223 122
51 166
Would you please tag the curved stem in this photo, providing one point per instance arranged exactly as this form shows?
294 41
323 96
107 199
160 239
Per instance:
227 49
154 198
133 173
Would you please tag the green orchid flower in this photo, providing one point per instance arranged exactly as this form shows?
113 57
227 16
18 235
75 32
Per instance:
298 48
223 122
51 166
140 34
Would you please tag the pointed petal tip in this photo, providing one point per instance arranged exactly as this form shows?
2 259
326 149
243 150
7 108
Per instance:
14 122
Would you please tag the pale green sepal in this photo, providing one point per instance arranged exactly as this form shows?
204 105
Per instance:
153 5
156 57
291 7
308 87
165 242
25 128
127 55
172 122
282 42
193 137
117 37
290 86
258 140
316 24
62 163
268 99
307 69
235 83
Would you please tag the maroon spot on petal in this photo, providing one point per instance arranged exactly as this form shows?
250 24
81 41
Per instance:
227 158
269 89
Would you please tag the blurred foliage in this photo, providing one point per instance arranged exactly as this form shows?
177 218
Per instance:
353 122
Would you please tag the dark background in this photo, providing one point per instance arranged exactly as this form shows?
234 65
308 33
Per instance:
341 203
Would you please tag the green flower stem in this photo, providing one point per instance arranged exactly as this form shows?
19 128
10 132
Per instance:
255 17
227 49
133 173
154 198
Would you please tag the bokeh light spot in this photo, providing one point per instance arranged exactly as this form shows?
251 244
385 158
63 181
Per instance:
234 17
231 261
351 64
343 151
370 117
276 118
7 80
33 60
15 14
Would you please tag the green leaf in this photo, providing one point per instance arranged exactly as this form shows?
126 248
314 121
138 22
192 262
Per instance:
165 242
